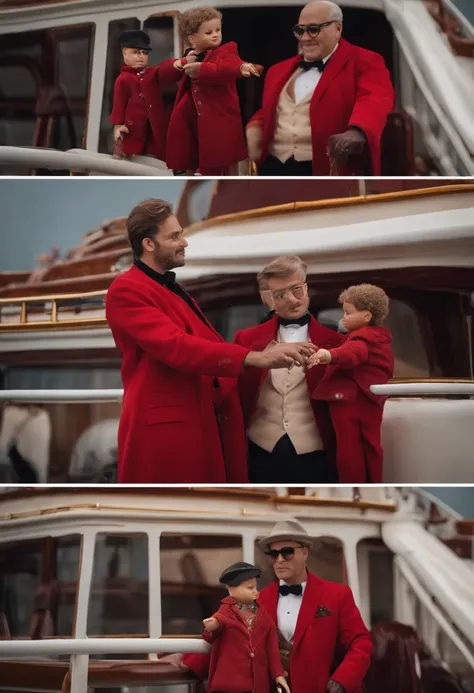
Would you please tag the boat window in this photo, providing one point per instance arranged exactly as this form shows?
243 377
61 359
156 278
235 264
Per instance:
38 587
375 568
190 569
118 603
234 318
44 86
326 559
409 347
160 28
74 442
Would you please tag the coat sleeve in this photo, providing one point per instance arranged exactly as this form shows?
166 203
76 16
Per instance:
355 638
121 96
351 354
167 74
199 664
257 120
225 69
209 636
374 96
273 653
128 310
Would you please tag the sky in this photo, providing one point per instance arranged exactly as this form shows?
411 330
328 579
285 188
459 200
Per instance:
36 214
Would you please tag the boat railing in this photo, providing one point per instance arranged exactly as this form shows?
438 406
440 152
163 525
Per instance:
443 115
416 606
77 160
397 389
83 673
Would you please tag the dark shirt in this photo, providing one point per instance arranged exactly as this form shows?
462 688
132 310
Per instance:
168 279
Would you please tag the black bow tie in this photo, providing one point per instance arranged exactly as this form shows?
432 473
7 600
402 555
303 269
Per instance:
291 589
307 65
304 320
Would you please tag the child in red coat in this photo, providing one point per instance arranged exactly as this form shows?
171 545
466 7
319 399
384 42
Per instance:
364 358
138 114
245 653
206 131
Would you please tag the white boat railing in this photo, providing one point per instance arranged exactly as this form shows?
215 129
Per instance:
114 395
434 90
423 389
77 160
95 646
415 606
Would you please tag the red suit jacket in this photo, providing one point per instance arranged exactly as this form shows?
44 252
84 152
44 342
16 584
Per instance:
363 359
138 105
243 658
168 431
354 89
251 379
328 621
206 128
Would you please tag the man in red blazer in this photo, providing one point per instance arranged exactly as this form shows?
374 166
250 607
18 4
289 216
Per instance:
333 99
290 436
316 619
181 419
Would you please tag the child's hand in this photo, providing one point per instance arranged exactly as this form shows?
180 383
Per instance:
178 65
192 69
249 70
281 683
119 132
211 624
191 57
322 356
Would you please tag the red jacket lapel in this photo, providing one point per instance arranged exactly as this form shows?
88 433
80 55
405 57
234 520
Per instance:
335 64
269 599
311 598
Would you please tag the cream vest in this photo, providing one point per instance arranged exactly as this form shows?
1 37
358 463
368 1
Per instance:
284 407
293 126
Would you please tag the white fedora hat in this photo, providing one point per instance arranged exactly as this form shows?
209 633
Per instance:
284 530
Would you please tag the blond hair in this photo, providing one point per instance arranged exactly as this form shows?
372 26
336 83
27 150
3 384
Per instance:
191 20
282 266
367 297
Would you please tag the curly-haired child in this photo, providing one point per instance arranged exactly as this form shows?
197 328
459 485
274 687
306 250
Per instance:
206 132
364 358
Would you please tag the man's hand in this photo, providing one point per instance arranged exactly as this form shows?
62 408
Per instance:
249 70
281 683
254 134
211 624
192 70
280 356
119 132
176 661
322 356
335 687
351 142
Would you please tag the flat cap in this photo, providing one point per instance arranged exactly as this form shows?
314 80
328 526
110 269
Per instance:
238 572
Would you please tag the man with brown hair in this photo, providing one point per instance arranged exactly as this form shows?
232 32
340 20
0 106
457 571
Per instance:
181 420
289 435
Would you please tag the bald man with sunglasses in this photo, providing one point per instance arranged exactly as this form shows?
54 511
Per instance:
324 110
324 644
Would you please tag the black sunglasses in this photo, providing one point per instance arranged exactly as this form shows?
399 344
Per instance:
312 29
285 552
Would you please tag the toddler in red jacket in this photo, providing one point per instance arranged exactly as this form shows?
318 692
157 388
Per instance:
139 115
245 654
363 359
206 132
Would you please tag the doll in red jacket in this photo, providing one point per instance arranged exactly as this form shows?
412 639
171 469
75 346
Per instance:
245 654
363 359
139 115
206 132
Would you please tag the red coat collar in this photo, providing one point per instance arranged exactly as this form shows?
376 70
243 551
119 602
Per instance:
133 70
